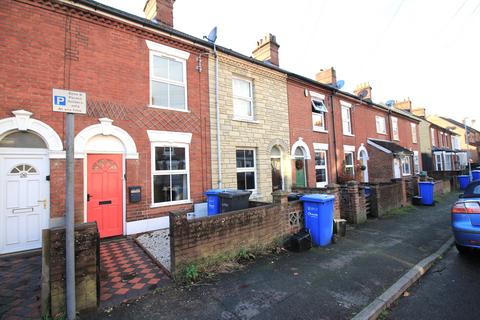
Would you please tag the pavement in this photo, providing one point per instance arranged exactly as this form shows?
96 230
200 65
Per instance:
335 282
450 290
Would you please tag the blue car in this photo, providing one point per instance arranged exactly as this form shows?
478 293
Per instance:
466 219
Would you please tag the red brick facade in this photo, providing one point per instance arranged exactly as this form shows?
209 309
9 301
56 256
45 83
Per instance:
53 45
363 127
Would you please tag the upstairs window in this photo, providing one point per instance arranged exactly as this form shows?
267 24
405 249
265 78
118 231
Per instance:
242 99
318 115
167 84
346 120
413 127
380 123
395 129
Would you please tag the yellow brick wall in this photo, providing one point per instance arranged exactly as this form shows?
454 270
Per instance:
269 128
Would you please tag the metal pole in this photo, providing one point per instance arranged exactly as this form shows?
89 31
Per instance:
217 110
69 218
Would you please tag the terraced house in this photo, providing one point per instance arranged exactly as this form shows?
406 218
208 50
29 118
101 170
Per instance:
253 126
142 149
337 136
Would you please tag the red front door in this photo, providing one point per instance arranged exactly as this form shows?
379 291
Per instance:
104 193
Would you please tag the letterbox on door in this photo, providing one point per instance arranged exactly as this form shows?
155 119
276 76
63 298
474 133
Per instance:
134 194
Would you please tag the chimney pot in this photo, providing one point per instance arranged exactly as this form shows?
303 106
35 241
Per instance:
160 10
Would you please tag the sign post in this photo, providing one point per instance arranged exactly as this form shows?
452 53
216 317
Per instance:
70 102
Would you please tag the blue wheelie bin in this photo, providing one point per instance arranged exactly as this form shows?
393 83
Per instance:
425 188
213 201
318 217
463 181
476 174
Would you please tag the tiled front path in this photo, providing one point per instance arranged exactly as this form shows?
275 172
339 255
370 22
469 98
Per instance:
20 278
126 273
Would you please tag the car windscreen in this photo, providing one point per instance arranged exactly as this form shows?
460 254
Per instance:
472 191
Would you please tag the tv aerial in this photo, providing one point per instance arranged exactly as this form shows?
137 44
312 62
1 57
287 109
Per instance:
339 84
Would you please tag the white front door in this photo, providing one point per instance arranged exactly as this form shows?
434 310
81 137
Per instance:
397 174
24 201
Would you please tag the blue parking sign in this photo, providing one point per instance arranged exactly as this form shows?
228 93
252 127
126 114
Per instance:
60 100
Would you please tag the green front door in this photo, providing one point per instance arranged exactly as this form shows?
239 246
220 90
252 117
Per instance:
300 180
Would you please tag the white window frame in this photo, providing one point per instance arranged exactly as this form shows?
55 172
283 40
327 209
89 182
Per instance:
395 133
438 154
245 99
416 162
448 161
413 127
324 150
154 172
248 169
441 143
353 161
432 134
379 122
160 50
347 127
405 163
320 114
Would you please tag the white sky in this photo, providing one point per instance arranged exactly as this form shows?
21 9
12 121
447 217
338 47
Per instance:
427 50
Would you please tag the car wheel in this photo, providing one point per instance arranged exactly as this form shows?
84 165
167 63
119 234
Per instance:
462 249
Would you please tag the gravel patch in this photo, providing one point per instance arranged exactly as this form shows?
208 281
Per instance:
158 244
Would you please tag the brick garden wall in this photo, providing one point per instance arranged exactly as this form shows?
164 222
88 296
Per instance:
387 196
212 236
87 264
353 203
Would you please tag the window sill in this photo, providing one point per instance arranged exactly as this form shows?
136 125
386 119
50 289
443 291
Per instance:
383 133
245 120
169 204
348 134
320 130
168 108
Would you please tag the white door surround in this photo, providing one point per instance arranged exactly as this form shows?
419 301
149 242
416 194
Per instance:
24 198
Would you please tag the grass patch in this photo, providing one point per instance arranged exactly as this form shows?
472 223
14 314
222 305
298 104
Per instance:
400 211
207 268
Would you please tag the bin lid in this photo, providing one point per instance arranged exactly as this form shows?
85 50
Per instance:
318 198
426 182
476 170
215 191
234 194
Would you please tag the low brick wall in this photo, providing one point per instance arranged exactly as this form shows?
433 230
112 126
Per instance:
353 203
438 188
213 236
387 196
87 269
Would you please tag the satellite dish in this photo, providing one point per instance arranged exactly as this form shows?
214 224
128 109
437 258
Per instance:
390 103
340 84
362 94
212 36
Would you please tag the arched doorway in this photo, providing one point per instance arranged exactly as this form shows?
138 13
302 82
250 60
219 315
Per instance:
105 148
277 171
363 158
300 173
24 190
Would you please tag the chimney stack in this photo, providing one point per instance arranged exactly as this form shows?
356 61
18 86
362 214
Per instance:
160 11
406 105
420 112
368 91
328 76
267 50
